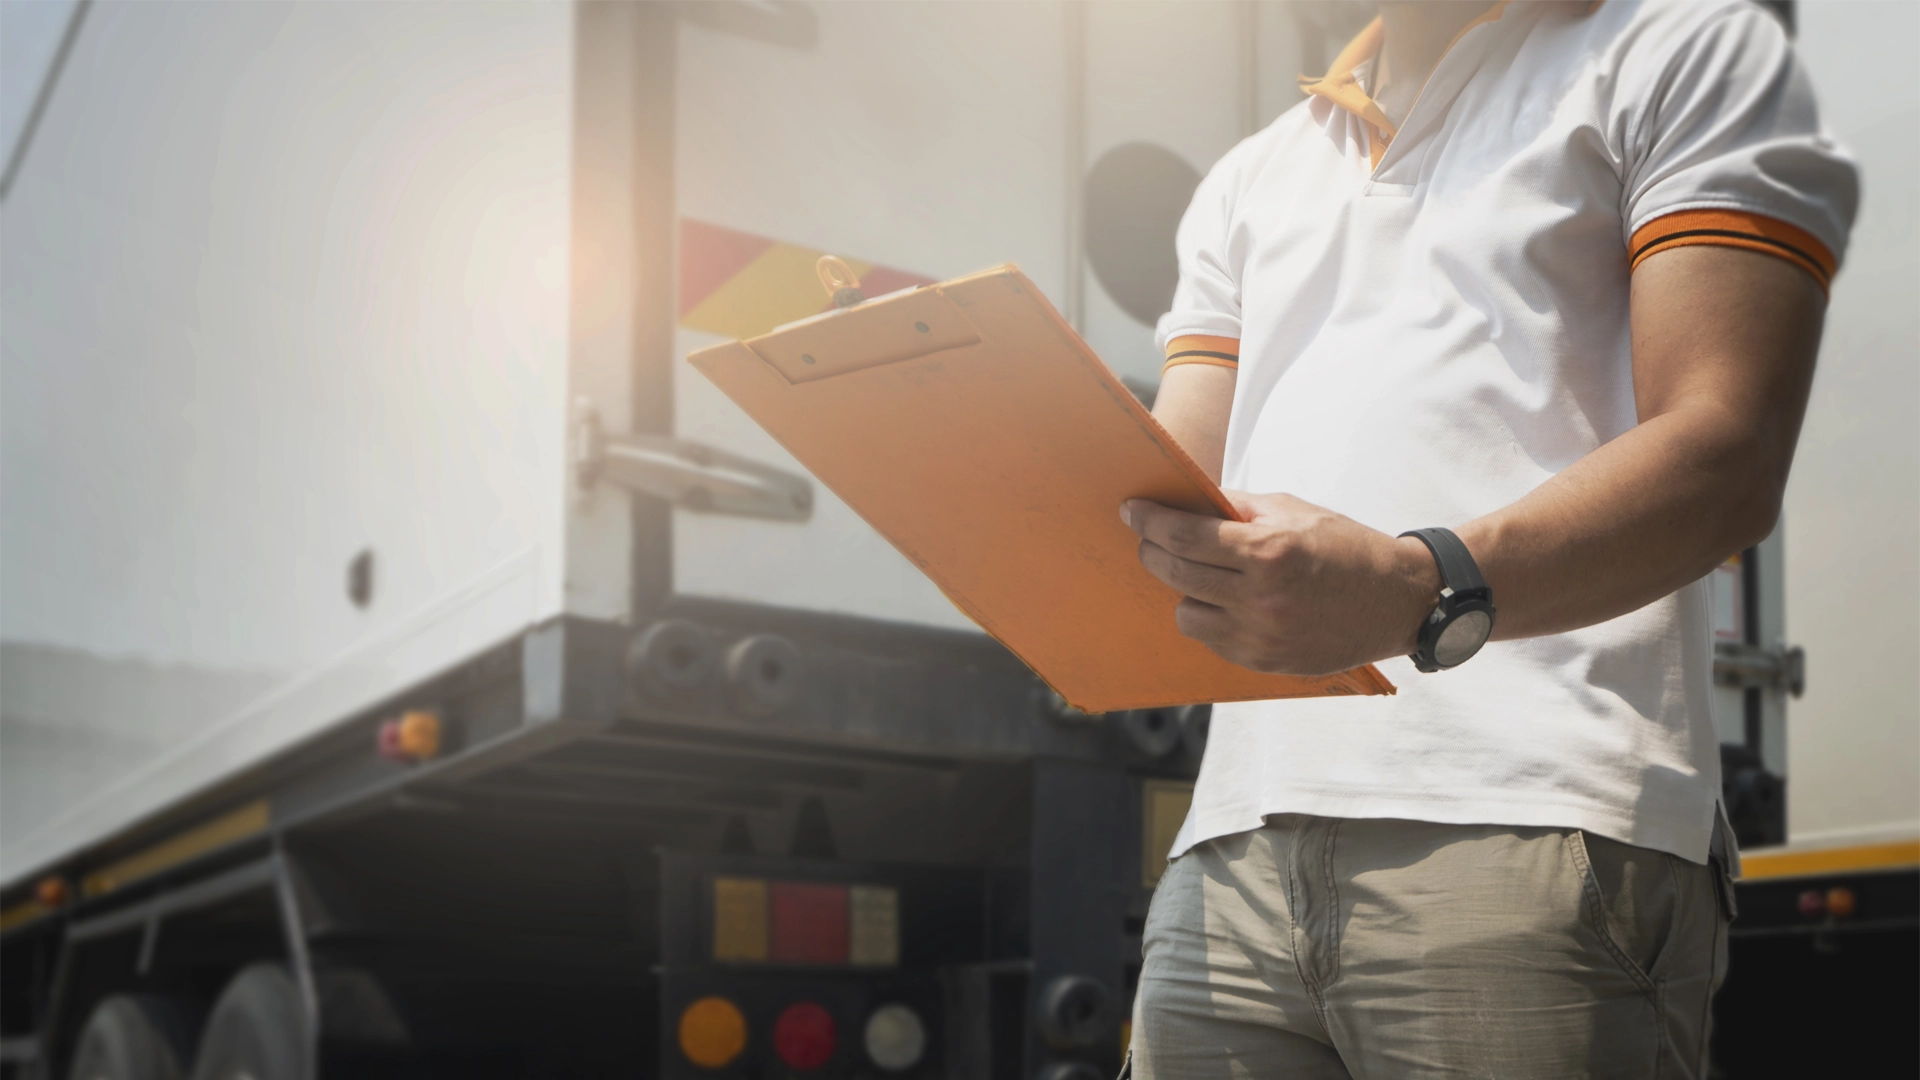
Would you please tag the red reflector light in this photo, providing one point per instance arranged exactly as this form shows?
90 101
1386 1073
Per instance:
809 923
804 1035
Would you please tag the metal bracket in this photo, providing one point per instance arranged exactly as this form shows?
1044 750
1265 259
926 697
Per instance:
1742 665
687 474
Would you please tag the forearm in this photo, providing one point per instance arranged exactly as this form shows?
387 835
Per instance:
1633 521
1723 350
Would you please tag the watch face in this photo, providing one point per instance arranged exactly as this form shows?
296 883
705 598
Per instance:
1462 637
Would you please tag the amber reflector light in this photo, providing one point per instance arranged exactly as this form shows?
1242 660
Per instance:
712 1032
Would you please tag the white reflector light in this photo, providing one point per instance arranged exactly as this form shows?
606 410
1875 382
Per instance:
895 1038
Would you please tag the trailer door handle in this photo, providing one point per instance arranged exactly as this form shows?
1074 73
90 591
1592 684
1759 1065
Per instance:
685 473
1747 666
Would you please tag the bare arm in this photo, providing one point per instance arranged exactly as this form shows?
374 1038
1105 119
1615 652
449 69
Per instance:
1193 404
1724 342
1723 351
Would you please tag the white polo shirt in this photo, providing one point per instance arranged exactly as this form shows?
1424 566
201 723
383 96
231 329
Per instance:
1432 322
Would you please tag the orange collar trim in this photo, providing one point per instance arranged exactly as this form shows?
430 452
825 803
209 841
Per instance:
1340 86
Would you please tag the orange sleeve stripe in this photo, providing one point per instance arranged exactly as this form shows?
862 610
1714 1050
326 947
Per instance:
1735 228
1201 349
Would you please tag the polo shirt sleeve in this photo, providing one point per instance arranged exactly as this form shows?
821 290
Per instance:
1204 323
1730 151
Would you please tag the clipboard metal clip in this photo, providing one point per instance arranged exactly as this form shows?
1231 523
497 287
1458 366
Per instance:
839 280
687 474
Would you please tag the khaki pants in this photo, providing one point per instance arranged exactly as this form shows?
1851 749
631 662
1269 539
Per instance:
1322 947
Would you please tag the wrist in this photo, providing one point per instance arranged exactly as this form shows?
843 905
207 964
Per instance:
1418 579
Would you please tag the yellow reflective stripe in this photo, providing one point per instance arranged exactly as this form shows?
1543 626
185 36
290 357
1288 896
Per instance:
250 820
1901 855
22 913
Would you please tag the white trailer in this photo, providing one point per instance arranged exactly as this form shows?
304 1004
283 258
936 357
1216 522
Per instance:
377 588
305 307
375 575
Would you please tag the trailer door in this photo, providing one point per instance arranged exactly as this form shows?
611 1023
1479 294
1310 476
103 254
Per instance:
921 142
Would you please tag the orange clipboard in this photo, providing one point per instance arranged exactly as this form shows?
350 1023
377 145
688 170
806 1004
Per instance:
972 427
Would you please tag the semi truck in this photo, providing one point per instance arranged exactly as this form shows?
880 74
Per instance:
409 667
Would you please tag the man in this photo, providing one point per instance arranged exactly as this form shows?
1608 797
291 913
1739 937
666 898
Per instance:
1546 281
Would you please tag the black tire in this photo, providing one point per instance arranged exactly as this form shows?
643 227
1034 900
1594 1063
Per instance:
258 1030
134 1037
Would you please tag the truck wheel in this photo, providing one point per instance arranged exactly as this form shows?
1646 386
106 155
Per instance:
134 1037
1153 733
258 1030
1074 1011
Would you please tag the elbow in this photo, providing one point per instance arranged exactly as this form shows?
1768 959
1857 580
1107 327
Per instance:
1755 521
1756 513
1749 475
1741 449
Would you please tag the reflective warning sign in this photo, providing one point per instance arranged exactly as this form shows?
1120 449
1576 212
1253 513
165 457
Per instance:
740 285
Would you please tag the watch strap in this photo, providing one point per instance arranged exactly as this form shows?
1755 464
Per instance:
1458 571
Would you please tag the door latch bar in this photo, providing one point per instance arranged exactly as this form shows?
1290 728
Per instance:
688 474
1754 666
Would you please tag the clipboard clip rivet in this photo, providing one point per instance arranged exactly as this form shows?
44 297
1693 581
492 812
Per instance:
806 358
922 327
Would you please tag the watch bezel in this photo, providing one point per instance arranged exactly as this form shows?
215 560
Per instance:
1449 610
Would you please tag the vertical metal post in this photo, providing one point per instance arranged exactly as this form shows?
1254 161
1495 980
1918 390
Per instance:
1750 610
1080 889
655 47
52 1040
1074 70
1770 632
298 958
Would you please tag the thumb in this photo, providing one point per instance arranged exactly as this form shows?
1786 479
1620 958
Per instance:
1245 507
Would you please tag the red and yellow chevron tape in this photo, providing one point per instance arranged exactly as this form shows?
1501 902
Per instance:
740 285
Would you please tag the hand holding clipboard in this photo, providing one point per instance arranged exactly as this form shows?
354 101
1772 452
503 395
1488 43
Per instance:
970 426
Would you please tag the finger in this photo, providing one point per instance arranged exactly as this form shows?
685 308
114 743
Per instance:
1213 584
1190 536
1205 623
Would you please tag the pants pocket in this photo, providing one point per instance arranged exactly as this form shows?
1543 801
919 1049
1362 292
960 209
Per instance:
1631 900
1723 889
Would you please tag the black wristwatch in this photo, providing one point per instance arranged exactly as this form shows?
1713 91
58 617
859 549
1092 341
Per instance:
1464 619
